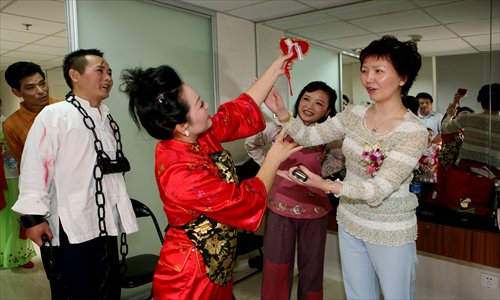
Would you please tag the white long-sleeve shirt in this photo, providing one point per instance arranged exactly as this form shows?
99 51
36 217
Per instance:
57 179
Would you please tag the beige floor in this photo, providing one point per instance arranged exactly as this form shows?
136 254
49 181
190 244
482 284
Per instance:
32 284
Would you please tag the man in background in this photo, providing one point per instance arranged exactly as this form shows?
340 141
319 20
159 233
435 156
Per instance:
27 81
429 118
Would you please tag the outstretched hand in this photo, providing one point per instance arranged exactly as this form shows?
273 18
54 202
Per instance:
274 101
313 180
281 149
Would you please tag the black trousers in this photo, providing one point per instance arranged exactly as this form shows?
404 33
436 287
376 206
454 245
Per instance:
76 271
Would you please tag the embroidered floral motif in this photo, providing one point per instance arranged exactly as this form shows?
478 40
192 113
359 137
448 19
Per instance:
297 210
217 245
215 241
373 157
282 206
225 164
194 148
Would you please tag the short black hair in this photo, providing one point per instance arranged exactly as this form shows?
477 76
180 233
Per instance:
424 95
19 70
312 87
402 55
411 103
483 96
344 97
76 60
155 99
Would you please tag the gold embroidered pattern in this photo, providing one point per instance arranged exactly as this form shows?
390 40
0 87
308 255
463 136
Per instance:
215 241
224 162
217 245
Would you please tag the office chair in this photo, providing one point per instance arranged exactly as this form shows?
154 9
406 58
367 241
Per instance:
139 270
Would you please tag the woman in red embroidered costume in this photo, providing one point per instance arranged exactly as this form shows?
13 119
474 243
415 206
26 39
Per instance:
202 196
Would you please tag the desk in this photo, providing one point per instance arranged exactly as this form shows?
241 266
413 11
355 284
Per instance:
460 235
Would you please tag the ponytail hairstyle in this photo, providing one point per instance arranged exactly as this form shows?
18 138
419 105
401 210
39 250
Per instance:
155 99
403 56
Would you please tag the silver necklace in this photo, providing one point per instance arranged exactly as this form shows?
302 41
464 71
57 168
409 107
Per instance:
375 128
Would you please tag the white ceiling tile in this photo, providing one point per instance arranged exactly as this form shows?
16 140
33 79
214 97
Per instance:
223 6
325 32
318 20
62 34
370 8
14 22
8 45
19 36
483 40
428 33
427 3
395 21
322 4
302 20
53 41
39 9
53 63
4 3
20 55
43 49
269 10
475 27
445 47
354 42
463 11
494 47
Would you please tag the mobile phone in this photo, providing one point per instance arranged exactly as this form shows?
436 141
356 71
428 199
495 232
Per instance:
300 175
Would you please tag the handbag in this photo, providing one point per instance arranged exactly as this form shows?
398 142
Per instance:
463 191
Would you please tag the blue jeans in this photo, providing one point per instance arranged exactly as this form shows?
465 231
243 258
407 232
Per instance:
367 267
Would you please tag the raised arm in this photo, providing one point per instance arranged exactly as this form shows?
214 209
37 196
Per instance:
263 85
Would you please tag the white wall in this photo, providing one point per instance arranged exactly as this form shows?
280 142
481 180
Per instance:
237 64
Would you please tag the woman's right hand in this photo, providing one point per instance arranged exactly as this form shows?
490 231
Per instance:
278 153
281 149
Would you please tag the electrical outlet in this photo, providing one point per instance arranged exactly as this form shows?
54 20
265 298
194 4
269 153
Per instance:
489 281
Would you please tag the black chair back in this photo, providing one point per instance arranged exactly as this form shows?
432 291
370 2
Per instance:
139 270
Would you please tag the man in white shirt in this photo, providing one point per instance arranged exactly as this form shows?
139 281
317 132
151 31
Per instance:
429 118
72 188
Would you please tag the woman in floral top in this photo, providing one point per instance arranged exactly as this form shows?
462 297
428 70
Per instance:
382 143
298 215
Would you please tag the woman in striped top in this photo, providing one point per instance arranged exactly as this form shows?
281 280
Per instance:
382 143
